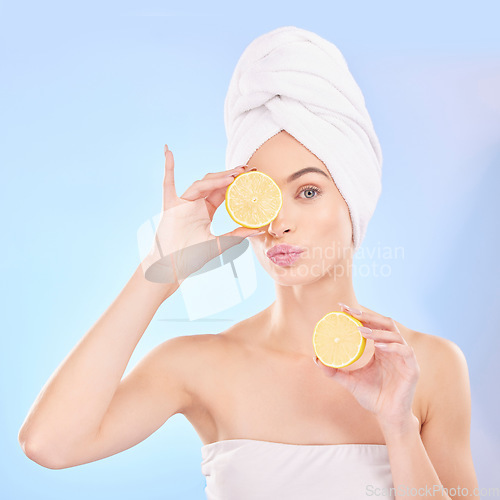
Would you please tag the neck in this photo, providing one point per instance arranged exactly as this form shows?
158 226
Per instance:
297 309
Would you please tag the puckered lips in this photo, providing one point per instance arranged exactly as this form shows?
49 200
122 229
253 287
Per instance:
283 249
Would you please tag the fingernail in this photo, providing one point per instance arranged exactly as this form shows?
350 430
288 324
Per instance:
379 344
350 309
256 234
363 329
316 360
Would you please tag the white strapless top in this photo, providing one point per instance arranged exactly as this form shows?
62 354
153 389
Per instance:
248 469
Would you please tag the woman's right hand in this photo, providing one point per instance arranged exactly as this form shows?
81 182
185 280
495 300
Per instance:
183 240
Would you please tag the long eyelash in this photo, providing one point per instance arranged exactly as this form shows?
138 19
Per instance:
311 188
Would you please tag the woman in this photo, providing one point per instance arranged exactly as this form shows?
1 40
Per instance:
273 424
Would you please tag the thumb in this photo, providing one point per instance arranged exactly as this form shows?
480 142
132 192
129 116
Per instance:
236 236
343 378
245 232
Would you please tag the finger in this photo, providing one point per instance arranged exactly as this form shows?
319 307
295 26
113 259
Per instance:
344 378
329 371
371 319
168 178
223 173
234 172
405 351
381 335
245 232
235 237
218 196
204 188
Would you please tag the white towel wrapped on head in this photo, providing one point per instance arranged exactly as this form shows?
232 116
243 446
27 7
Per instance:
292 79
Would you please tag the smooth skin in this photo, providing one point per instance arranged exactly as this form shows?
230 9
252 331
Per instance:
428 437
86 411
423 417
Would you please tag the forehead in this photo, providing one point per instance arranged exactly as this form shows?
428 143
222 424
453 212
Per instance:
282 155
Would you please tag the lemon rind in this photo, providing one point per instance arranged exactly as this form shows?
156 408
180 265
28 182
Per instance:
242 223
361 346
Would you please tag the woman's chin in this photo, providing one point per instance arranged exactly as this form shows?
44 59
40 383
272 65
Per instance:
293 275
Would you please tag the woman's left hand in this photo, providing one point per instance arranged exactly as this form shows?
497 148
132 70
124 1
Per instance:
386 384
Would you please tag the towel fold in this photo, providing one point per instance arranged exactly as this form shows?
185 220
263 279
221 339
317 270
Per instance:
292 79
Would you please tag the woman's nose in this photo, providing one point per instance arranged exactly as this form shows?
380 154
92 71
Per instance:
281 224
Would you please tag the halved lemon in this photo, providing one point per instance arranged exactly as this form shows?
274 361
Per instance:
337 341
253 199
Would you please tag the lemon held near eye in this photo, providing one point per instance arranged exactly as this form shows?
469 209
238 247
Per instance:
337 341
253 199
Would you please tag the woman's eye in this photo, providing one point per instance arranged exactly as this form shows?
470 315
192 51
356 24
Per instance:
309 192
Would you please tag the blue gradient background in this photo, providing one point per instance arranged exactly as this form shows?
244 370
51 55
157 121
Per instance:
90 94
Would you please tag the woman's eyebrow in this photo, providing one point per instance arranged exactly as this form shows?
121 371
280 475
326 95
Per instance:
306 170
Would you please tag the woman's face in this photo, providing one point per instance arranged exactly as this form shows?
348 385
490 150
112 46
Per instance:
314 215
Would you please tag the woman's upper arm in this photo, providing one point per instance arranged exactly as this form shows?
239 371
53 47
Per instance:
445 432
153 391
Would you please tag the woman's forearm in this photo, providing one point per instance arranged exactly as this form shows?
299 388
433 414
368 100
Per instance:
412 471
73 402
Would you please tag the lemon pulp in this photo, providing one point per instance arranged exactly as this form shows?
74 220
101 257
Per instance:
337 341
253 199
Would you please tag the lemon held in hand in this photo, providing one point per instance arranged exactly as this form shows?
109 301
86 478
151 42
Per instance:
337 341
253 199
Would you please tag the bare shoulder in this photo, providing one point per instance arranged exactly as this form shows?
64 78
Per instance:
442 365
193 350
432 350
202 353
196 357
